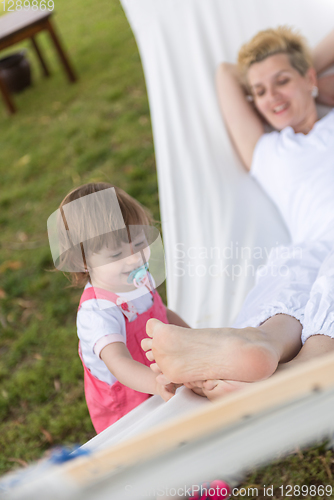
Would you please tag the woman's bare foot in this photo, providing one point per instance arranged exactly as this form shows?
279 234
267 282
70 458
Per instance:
196 387
185 355
215 389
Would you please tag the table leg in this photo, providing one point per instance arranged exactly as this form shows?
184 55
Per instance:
40 57
7 97
70 73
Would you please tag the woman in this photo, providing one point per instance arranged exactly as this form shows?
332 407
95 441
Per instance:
288 317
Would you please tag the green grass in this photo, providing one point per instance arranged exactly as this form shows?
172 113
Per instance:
62 136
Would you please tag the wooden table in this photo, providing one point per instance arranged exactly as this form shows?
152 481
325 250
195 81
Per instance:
19 25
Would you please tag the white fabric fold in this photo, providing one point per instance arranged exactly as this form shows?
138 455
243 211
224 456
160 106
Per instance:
288 284
319 311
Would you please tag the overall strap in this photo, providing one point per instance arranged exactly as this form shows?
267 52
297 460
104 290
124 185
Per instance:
97 293
127 308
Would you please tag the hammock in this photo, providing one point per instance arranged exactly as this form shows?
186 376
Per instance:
218 225
150 450
213 217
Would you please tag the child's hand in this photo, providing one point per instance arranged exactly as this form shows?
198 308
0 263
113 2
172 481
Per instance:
164 387
166 391
160 377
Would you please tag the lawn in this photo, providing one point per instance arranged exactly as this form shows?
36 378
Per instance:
65 135
62 136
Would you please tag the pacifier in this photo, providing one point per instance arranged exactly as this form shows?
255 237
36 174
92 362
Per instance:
138 276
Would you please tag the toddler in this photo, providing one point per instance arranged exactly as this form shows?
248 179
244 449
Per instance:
103 237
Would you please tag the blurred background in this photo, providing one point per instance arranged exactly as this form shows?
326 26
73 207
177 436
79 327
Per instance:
64 135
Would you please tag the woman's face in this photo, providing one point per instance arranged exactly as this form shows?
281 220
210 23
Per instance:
282 95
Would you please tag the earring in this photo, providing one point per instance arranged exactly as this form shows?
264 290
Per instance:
249 98
315 92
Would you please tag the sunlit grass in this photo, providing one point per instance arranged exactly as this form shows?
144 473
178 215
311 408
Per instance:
62 136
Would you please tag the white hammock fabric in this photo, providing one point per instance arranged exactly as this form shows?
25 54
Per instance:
138 455
214 216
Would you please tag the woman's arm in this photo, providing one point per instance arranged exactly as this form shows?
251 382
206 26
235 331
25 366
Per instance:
326 90
242 121
132 373
323 58
323 53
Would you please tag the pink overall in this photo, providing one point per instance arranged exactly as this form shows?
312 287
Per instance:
108 403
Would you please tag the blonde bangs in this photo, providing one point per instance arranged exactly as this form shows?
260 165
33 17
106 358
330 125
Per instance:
275 41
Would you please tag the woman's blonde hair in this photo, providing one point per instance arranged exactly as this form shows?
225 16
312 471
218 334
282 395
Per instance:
266 43
94 220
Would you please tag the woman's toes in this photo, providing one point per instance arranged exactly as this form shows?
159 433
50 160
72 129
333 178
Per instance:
146 344
151 325
149 355
155 368
198 383
214 389
209 385
199 391
163 380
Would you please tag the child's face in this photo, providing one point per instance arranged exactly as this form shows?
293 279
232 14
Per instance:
110 268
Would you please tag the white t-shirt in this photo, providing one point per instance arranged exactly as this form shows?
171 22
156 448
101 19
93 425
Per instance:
297 172
100 322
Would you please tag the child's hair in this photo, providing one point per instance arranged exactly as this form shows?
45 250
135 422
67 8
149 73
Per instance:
266 43
94 220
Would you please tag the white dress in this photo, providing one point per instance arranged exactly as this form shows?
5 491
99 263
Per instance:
297 172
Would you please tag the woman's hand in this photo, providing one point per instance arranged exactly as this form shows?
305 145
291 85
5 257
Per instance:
326 90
